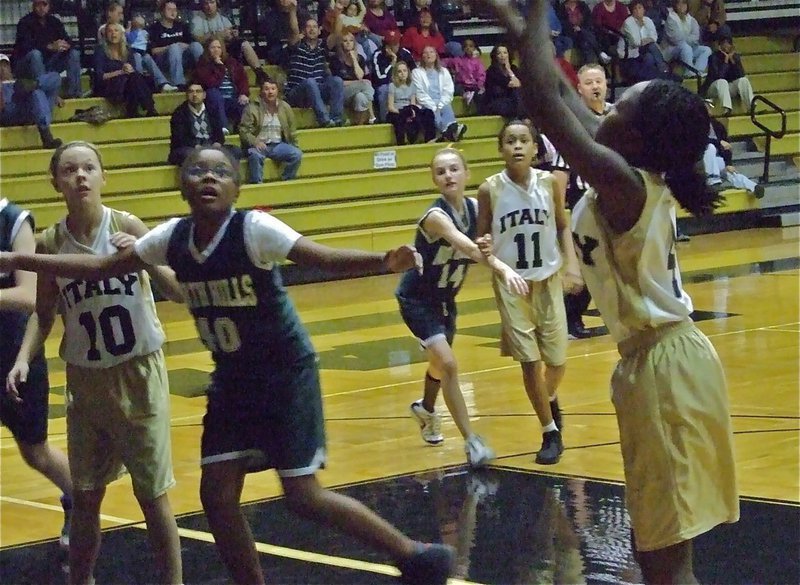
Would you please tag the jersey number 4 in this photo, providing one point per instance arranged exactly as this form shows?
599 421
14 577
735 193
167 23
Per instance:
107 319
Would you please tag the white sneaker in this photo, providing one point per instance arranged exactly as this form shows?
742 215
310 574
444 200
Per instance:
430 423
605 59
168 88
479 454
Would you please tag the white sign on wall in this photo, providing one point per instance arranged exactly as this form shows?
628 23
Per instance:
385 159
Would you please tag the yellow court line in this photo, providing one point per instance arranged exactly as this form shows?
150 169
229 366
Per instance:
312 557
270 549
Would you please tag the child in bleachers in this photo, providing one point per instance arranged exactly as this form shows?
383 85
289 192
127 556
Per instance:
137 36
469 74
403 113
114 15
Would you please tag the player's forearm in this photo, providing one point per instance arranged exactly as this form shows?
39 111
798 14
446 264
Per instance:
83 266
167 285
18 298
36 332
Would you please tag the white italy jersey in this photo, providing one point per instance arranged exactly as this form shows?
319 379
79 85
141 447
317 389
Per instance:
633 277
524 233
106 322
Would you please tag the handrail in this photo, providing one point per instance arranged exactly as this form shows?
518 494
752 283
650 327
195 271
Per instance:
769 133
696 73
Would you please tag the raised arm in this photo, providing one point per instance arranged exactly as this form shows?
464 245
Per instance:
441 226
621 190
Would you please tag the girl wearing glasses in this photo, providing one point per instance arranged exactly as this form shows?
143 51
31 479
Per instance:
117 395
264 400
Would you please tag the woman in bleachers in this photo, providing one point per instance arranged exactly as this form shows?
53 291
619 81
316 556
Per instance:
576 23
115 77
424 33
640 57
358 91
503 93
433 89
682 38
225 81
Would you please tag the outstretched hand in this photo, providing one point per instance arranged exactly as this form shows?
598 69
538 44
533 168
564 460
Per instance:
485 244
403 258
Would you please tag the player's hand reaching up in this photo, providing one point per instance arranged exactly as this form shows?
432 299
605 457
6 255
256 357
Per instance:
402 259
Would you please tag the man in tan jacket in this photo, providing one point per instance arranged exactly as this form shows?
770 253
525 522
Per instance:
268 130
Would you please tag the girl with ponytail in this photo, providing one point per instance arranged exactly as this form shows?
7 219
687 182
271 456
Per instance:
668 388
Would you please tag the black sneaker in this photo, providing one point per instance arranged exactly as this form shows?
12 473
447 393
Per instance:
758 191
558 416
431 564
552 448
577 331
461 129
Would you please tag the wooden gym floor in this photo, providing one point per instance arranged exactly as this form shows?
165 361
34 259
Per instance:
517 522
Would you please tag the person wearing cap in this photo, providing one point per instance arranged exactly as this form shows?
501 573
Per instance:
29 102
43 45
383 61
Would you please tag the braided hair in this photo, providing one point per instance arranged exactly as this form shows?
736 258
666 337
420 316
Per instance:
675 122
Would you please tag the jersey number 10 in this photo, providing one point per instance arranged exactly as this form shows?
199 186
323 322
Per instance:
106 319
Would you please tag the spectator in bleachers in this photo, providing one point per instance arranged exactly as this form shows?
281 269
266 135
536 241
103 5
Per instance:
42 44
682 39
503 95
209 22
711 16
308 79
644 60
609 15
268 130
433 89
379 19
193 125
352 20
225 82
137 45
718 162
352 68
276 28
561 42
657 11
576 23
469 74
726 77
440 18
405 116
116 78
29 102
424 33
171 44
383 62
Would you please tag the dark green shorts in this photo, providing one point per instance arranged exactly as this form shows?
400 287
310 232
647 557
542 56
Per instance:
273 422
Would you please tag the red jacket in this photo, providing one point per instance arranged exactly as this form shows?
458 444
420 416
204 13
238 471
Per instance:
210 74
415 42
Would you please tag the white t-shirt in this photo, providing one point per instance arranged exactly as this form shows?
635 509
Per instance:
267 239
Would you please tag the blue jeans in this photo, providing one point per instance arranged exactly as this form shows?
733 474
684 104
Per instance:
309 92
144 63
283 152
175 59
36 107
33 65
228 110
696 56
444 118
383 101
